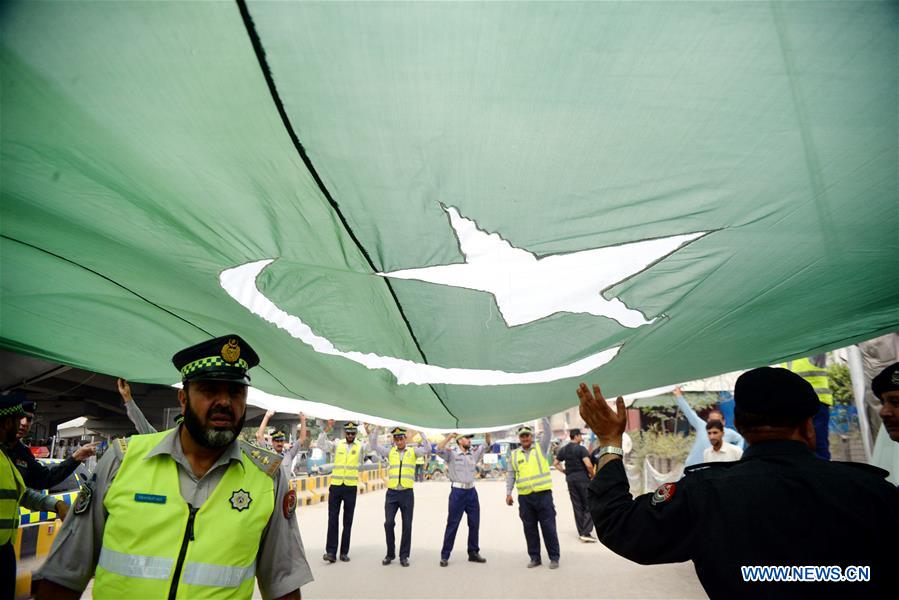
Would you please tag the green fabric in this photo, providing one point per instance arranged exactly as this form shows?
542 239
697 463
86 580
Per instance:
143 155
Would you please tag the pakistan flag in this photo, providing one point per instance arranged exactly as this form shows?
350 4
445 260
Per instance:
448 214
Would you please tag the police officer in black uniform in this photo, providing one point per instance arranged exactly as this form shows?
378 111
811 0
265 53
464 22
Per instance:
779 506
36 475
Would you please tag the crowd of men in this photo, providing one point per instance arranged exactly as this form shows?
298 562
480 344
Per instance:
194 509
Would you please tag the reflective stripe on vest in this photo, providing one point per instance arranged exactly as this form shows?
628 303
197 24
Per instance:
531 474
816 376
11 489
142 539
346 464
402 470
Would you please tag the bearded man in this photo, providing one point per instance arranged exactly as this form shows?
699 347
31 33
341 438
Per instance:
189 512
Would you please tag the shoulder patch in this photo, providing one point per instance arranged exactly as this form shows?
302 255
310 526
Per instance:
663 494
266 460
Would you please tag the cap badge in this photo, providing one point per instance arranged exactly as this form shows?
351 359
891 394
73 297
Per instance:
240 500
231 351
895 377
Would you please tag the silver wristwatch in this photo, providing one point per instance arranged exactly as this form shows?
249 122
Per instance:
610 450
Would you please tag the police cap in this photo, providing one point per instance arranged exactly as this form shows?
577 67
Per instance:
886 381
29 406
11 405
525 430
279 436
350 427
775 392
226 358
398 432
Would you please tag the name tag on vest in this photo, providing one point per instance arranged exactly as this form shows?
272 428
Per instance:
152 498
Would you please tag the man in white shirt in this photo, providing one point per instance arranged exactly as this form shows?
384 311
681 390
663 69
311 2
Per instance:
719 451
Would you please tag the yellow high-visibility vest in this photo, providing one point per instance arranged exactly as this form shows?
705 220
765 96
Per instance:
346 464
402 470
531 471
155 543
817 376
11 489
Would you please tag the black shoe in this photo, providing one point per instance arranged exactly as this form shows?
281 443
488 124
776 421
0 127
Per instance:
329 558
387 560
404 562
344 558
553 564
443 562
476 557
534 563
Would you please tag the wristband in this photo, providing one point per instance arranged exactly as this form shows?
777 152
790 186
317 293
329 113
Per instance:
610 450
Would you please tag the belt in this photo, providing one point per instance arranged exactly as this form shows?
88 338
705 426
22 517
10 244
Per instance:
463 486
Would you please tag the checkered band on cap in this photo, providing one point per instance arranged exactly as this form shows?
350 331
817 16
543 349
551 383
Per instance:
15 409
212 361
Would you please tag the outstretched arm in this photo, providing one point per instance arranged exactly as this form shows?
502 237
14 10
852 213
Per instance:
260 433
323 442
373 443
442 449
694 419
546 434
133 411
304 433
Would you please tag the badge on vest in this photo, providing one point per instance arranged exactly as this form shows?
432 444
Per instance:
151 498
290 504
240 500
85 495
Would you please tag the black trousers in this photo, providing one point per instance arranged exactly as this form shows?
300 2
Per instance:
577 489
347 495
535 509
403 501
7 572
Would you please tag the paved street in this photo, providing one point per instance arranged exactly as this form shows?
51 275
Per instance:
587 570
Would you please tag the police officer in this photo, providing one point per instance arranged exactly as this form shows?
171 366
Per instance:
886 387
12 488
35 474
188 512
529 473
401 478
462 466
348 456
814 370
765 510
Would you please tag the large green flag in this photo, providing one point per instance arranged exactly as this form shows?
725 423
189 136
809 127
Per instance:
448 213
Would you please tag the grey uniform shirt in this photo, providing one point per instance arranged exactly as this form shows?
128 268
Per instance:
545 439
422 449
461 466
136 415
281 565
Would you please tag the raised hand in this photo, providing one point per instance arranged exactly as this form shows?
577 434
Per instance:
608 425
124 390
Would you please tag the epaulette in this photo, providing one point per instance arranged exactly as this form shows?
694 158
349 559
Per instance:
123 444
709 466
877 471
267 461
